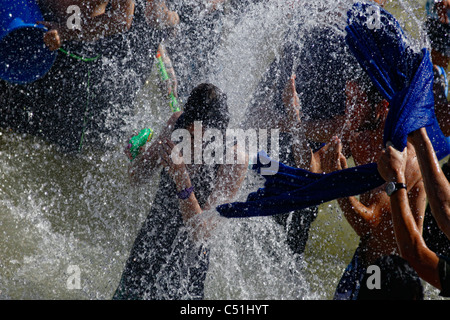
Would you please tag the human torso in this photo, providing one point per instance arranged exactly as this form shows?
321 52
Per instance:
381 240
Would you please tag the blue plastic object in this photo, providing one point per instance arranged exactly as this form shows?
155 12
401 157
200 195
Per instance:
24 57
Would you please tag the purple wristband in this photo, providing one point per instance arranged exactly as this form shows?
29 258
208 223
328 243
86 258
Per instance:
185 193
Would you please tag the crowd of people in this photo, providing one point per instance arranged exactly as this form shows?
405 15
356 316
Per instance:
326 111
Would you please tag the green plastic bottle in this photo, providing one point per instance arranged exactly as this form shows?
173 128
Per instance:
138 141
164 77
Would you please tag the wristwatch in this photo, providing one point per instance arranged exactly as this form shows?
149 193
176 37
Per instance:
393 187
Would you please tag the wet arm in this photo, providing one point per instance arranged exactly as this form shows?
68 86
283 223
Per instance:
410 241
145 164
436 184
189 207
293 124
229 179
392 166
366 213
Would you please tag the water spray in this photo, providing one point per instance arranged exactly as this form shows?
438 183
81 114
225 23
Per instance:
137 142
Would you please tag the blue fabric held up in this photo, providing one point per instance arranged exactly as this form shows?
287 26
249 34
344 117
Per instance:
403 76
289 188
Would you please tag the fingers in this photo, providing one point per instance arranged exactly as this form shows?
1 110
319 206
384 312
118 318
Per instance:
381 156
337 144
391 163
393 152
343 161
335 154
292 82
290 90
332 158
52 40
335 148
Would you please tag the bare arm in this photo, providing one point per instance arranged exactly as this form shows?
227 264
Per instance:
362 215
436 184
366 214
410 242
363 218
229 179
146 163
293 125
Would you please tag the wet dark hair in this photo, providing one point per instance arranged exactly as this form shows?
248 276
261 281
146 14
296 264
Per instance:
208 104
324 65
439 34
399 281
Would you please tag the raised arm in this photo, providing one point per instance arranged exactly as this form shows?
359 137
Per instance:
410 242
146 163
366 214
436 184
293 125
228 181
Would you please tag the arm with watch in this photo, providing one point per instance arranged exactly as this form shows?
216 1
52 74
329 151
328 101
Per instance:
189 205
412 246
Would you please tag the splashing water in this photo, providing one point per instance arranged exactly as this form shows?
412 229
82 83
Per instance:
59 211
